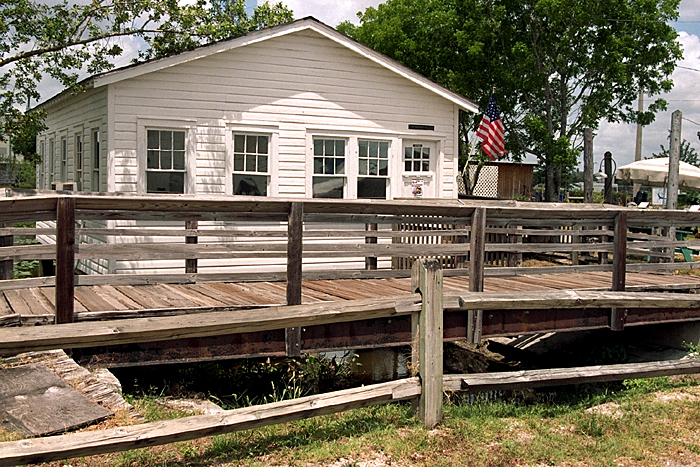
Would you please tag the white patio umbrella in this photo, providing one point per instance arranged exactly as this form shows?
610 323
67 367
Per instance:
654 172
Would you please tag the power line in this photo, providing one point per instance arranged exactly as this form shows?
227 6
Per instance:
689 120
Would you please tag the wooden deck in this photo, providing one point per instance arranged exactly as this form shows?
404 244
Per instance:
39 302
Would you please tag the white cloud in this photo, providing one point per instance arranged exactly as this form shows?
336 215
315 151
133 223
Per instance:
330 12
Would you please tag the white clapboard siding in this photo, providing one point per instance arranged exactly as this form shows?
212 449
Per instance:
293 86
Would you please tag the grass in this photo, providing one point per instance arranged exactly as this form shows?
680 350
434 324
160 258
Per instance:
647 422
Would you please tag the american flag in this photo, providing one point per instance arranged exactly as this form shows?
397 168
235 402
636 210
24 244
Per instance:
490 131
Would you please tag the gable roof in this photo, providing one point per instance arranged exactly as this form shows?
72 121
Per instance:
308 23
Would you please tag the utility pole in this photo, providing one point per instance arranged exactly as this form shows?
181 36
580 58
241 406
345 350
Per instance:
638 144
674 161
587 165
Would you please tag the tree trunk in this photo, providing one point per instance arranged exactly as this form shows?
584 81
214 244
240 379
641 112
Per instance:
550 189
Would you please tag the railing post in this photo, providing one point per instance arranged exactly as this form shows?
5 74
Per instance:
476 272
191 264
428 275
617 315
295 231
371 261
7 266
65 259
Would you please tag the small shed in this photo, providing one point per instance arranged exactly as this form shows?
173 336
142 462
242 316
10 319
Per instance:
504 180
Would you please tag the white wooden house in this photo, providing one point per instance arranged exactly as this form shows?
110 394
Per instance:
296 110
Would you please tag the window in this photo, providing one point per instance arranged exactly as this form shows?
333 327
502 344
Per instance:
329 168
165 161
42 171
95 181
64 160
51 167
78 162
417 158
373 173
251 164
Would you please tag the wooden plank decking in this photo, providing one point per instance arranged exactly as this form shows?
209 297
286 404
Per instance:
39 301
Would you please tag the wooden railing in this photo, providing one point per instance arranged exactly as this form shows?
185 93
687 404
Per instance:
202 238
426 307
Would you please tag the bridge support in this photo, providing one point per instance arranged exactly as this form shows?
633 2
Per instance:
476 272
618 315
65 259
295 231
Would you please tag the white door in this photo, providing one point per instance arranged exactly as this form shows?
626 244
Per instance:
419 166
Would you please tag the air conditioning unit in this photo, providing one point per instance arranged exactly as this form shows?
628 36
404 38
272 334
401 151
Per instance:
63 186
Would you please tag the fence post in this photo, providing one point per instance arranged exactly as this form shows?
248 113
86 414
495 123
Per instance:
191 264
7 266
476 272
428 275
295 231
65 259
371 261
617 315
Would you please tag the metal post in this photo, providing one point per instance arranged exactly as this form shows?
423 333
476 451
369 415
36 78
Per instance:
587 165
608 177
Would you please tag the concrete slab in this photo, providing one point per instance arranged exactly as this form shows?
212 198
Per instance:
39 403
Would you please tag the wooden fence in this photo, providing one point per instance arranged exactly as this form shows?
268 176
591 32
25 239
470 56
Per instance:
426 307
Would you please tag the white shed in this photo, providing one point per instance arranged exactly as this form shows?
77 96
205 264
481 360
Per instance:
295 110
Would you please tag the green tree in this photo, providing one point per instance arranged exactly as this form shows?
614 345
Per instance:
64 40
688 154
557 65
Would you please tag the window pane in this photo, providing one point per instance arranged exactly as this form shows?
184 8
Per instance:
407 154
339 148
426 153
179 140
153 139
363 148
407 166
166 160
318 147
153 162
262 144
262 163
374 188
328 187
238 143
165 182
384 167
330 147
373 149
179 160
166 139
329 166
416 152
416 166
339 166
251 144
250 185
372 167
384 150
426 166
318 165
238 162
249 163
363 167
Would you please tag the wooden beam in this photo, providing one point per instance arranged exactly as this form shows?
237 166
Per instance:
65 259
295 232
371 261
129 331
124 438
516 380
617 315
429 278
191 264
476 272
7 266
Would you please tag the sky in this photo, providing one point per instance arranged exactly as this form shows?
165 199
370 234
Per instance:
618 139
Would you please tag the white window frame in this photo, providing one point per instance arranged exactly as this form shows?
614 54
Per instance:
78 159
51 161
42 170
63 170
95 155
348 168
387 177
272 132
190 129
